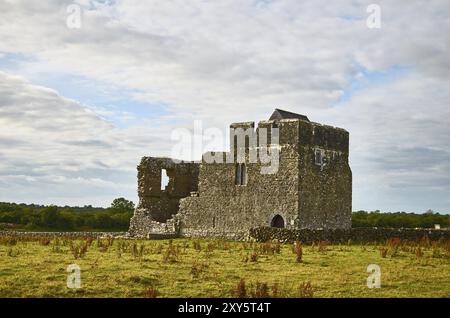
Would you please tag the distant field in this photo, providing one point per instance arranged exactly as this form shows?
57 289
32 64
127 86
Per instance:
214 268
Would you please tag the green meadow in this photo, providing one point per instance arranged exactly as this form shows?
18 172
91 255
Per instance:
37 267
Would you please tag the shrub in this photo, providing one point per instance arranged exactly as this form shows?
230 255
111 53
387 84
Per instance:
151 293
394 251
266 248
269 248
56 247
245 258
122 247
171 254
424 241
298 251
322 247
8 240
137 250
419 252
210 247
383 252
305 290
275 290
393 242
79 250
436 253
45 241
241 290
135 279
197 246
103 244
12 252
224 245
393 245
198 268
277 247
159 248
261 290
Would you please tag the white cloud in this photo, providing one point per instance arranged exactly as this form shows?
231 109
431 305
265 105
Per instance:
400 150
53 148
226 61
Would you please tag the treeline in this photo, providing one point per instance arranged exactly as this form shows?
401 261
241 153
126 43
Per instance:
52 218
399 219
33 217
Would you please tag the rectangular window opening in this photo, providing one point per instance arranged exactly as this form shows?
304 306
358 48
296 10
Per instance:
164 180
318 157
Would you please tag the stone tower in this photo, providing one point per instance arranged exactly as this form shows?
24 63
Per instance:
311 186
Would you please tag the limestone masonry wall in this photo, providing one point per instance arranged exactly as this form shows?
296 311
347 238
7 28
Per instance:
325 191
63 234
310 189
157 206
264 234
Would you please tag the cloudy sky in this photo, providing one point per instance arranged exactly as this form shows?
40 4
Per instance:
80 106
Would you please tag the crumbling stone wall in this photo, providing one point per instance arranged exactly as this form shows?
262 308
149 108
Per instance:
265 234
156 206
204 199
73 235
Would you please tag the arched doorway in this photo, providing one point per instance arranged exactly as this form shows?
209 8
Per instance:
277 221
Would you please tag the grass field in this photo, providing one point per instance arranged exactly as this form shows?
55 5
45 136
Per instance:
31 267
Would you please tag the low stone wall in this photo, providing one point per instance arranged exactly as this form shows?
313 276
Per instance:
62 234
228 235
263 234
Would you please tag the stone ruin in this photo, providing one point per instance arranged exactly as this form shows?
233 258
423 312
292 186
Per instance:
311 189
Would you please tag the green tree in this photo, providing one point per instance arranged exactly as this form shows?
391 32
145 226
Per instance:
49 216
66 219
123 205
102 221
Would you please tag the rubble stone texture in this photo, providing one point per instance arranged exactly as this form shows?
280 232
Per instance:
312 188
355 235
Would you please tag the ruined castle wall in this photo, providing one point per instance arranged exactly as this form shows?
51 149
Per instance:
325 192
157 205
226 209
204 199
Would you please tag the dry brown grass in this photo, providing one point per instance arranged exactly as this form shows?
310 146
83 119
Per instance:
305 290
298 252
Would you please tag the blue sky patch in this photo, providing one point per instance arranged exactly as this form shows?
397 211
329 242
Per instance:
113 103
363 78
